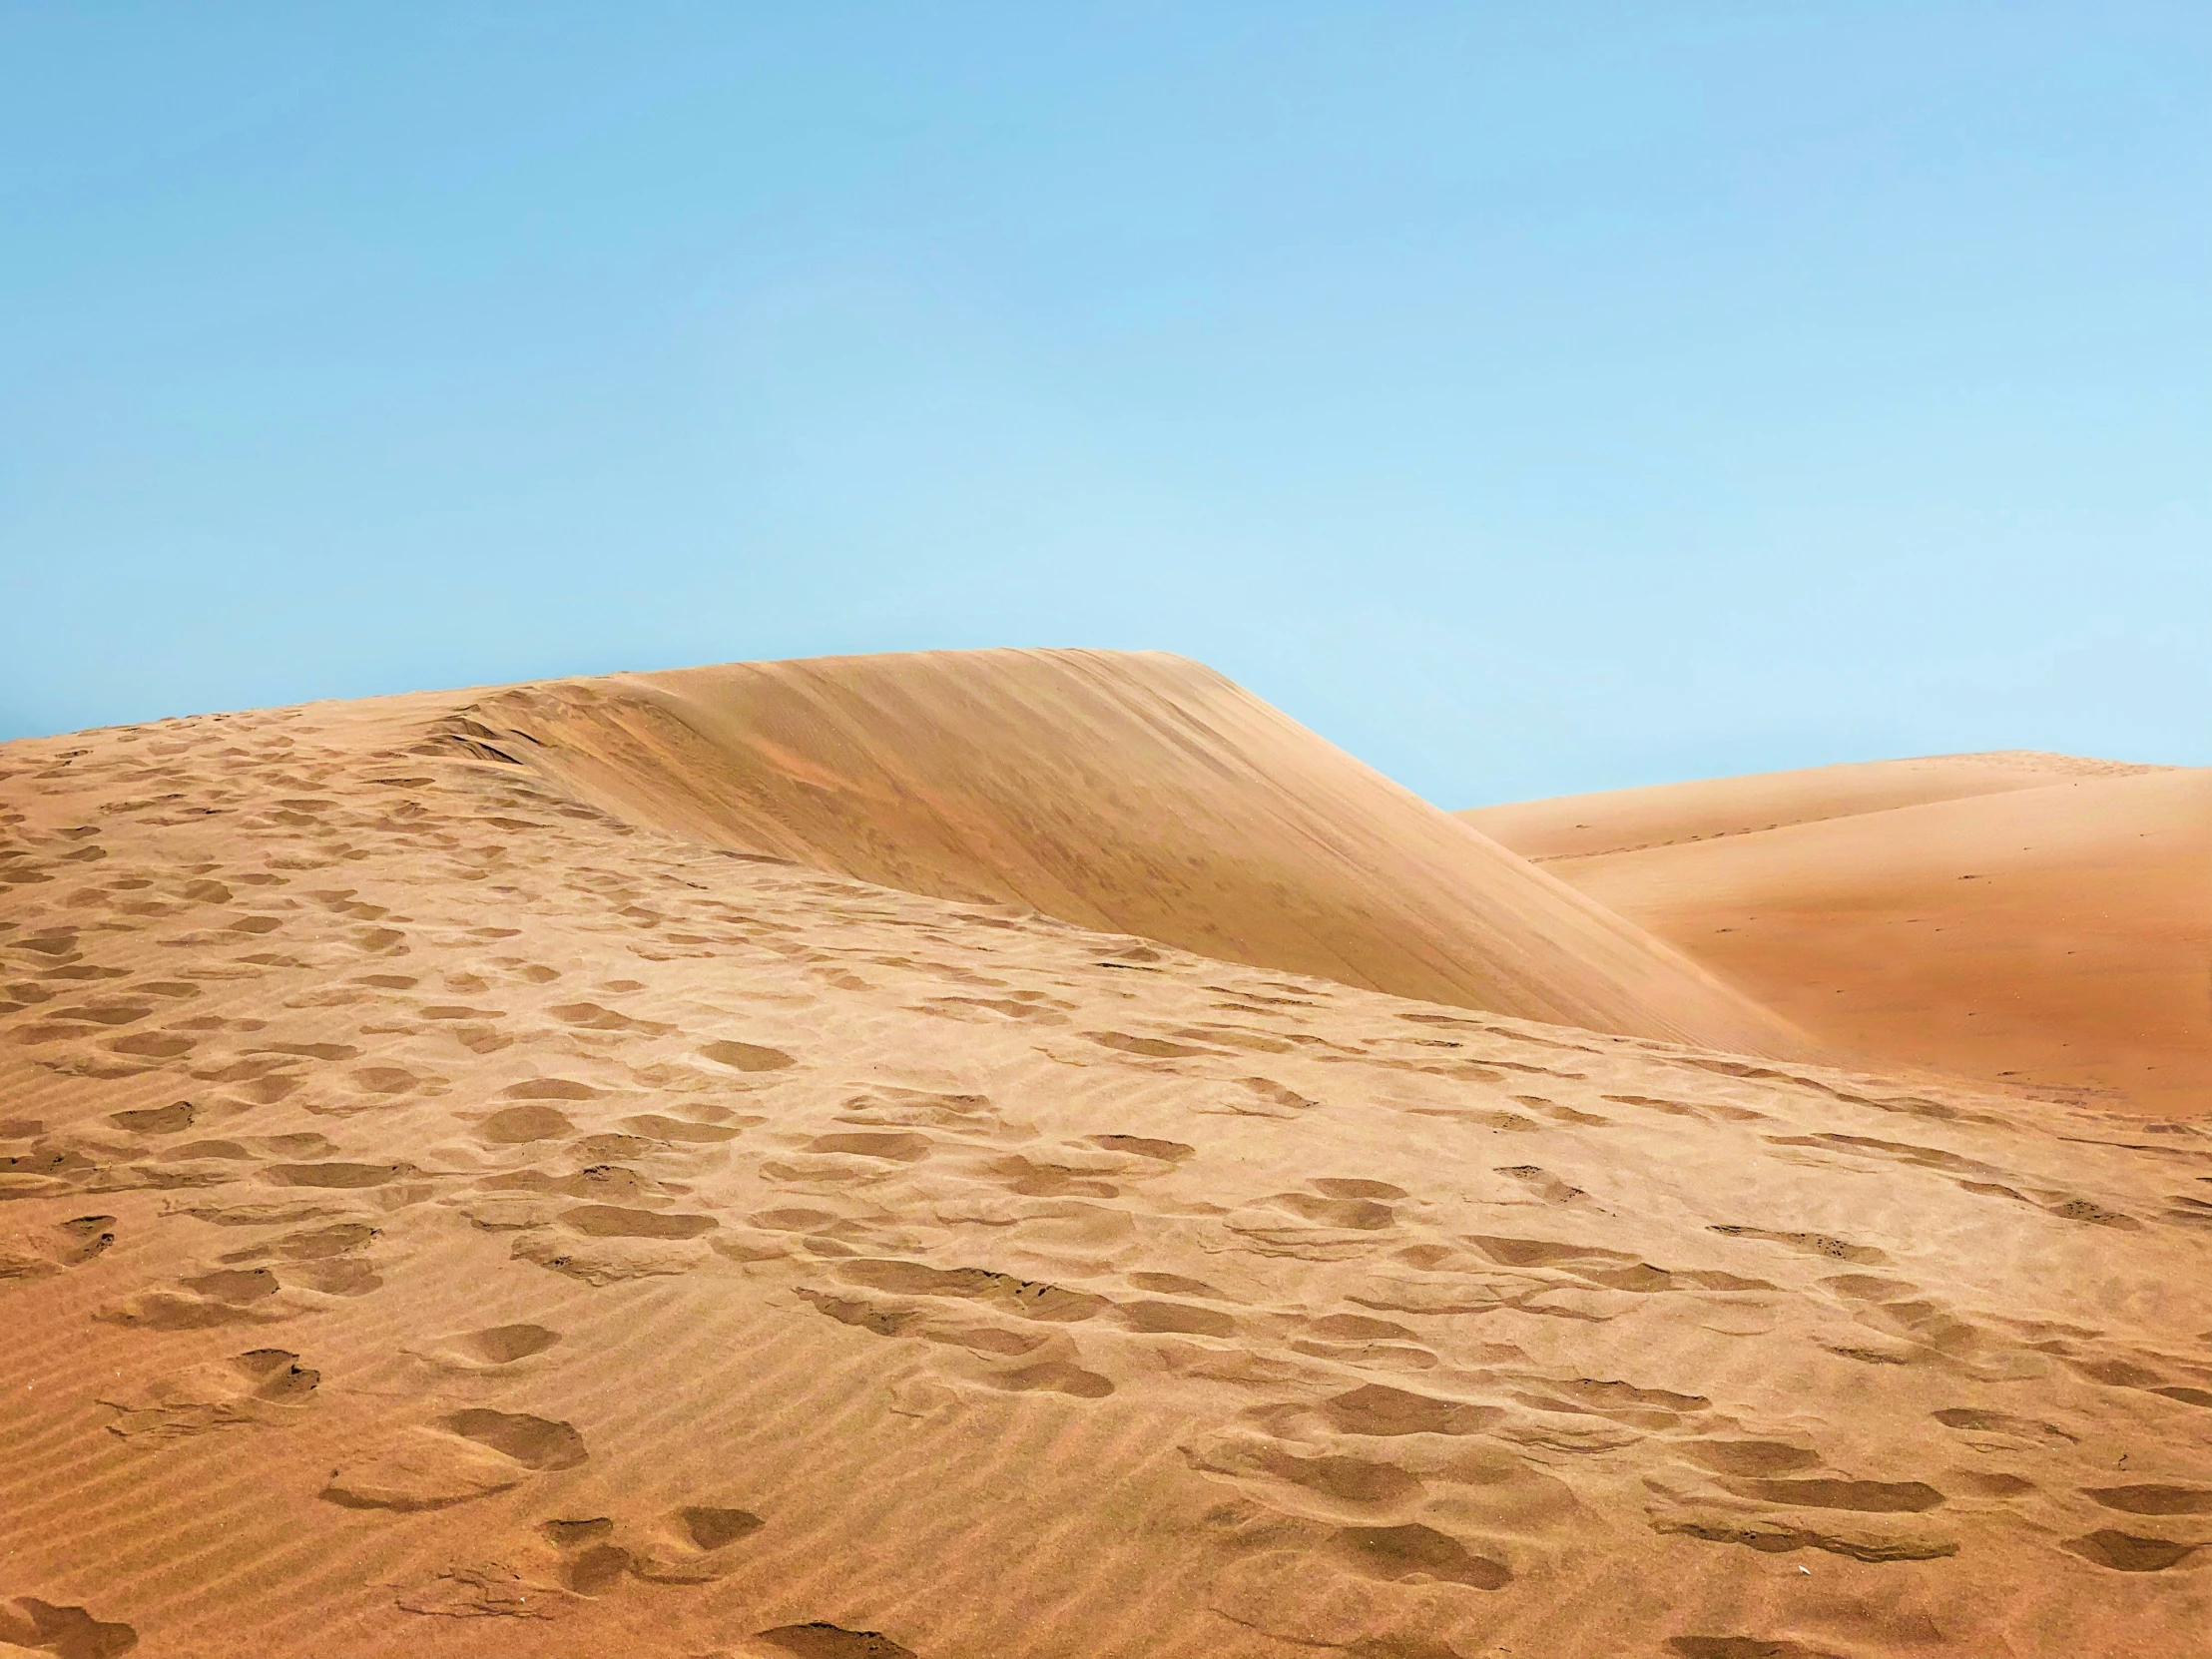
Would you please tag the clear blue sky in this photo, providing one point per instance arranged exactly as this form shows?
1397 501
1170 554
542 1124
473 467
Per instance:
1531 397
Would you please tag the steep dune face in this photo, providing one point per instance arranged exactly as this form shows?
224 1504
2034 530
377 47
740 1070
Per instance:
1137 793
2054 934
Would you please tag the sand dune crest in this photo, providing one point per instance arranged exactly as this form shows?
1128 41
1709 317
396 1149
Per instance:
1126 791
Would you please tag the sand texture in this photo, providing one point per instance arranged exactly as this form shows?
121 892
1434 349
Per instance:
2051 930
444 1218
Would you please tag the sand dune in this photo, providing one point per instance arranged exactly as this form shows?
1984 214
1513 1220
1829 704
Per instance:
1668 814
2050 928
438 1217
1131 792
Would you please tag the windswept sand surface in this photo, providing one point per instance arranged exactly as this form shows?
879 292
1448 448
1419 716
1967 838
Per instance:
1669 814
443 1218
2050 929
1132 791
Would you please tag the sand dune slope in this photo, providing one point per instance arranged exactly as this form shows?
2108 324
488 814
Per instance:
2054 934
1137 793
440 1219
1667 815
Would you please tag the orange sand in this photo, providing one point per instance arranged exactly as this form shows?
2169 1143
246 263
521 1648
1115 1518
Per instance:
2049 927
444 1219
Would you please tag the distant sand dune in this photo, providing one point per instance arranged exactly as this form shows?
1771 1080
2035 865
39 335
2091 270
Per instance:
1128 792
1668 814
2034 919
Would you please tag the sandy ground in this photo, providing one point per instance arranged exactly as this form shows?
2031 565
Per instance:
2033 920
445 1218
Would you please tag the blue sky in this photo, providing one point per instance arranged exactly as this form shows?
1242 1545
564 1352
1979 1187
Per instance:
1531 398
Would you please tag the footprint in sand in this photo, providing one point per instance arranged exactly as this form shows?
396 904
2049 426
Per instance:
1028 1179
2001 1431
768 1233
1414 1553
265 1387
590 1565
657 1126
379 1083
227 1296
690 1544
155 1120
1181 1318
469 1455
1384 1588
1149 1048
1337 1225
1814 1244
605 1243
1015 1359
610 1220
887 1107
1324 1485
1175 1283
499 1349
1749 1458
329 1259
2152 1499
590 1016
1682 1109
1363 1341
520 1125
153 1045
259 1083
1376 1408
2127 1552
896 1148
553 1088
1025 1298
38 1251
856 1159
1623 1402
68 1632
1139 1146
605 1183
1872 1497
748 1056
44 1171
987 1010
110 1013
337 1176
1255 1097
479 1590
1546 1187
1772 1534
329 1053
